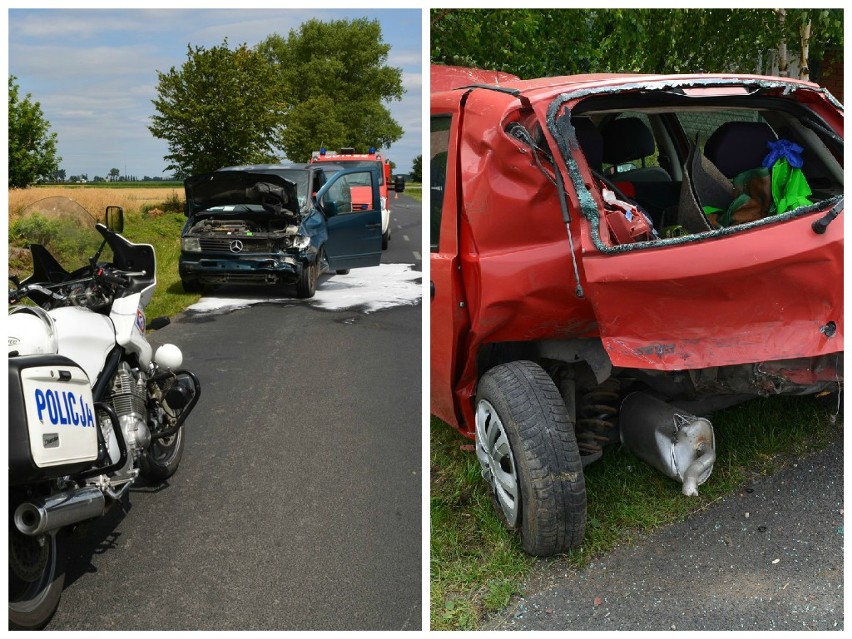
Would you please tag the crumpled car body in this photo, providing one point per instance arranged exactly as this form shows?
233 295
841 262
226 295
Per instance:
271 224
571 222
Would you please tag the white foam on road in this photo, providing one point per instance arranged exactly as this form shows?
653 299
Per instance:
370 289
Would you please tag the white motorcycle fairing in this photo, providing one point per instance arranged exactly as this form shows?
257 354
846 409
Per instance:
129 320
84 337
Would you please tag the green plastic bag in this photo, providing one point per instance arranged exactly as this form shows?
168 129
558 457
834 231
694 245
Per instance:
790 189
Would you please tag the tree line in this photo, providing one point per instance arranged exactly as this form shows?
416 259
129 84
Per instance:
533 43
60 176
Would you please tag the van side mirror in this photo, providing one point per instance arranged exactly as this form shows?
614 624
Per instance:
399 183
327 206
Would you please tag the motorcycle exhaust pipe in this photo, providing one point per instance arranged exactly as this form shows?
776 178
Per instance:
671 440
60 510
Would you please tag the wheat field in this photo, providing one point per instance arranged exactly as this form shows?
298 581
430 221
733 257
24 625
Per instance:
95 199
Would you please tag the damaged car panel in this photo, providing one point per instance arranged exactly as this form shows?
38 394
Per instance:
681 232
768 283
277 225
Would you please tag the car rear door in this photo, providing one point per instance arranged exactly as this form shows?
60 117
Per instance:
768 293
351 204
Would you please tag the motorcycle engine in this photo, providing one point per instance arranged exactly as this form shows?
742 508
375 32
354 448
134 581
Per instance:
128 399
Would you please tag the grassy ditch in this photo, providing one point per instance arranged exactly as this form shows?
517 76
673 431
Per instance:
476 565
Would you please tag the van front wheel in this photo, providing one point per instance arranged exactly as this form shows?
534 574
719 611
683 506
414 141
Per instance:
528 453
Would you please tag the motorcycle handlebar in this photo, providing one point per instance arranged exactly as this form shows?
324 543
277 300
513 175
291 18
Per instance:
20 293
112 276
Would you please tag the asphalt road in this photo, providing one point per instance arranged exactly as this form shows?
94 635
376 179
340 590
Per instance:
298 501
767 558
406 231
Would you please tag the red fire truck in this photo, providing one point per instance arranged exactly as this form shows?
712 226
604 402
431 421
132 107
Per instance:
348 158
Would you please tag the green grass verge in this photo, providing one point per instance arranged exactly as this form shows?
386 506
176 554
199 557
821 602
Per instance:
413 190
163 232
476 565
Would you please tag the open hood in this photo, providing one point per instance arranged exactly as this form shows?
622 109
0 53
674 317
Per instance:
241 191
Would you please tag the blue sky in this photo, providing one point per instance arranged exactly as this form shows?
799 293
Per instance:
94 72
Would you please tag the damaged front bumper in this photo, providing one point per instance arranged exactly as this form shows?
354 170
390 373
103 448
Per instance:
260 269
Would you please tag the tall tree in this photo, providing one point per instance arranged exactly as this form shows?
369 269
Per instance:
222 107
32 147
813 31
335 78
417 169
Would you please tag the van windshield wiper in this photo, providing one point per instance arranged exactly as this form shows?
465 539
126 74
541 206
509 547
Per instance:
822 223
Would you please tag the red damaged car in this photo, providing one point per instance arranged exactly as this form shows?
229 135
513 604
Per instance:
614 257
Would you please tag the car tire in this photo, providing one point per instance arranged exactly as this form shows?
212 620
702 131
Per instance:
306 285
526 445
190 286
342 271
386 238
33 601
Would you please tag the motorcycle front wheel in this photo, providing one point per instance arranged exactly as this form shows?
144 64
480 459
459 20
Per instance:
36 578
162 458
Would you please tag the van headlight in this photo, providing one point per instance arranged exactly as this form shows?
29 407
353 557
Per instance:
300 242
190 244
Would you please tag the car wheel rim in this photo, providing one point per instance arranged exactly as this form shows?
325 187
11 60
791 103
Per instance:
497 461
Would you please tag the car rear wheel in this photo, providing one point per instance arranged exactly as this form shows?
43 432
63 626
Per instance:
386 238
528 452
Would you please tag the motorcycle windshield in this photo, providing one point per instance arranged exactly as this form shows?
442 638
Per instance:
52 238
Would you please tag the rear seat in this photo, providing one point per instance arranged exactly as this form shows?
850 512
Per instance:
738 146
628 140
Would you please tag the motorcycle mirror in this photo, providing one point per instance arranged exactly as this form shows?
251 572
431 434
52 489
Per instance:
14 279
115 218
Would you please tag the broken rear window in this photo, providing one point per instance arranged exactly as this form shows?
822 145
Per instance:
674 167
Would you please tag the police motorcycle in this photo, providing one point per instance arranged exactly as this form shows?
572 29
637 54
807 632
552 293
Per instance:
91 405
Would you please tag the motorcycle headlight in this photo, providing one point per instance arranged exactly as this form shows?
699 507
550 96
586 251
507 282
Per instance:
301 242
190 244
